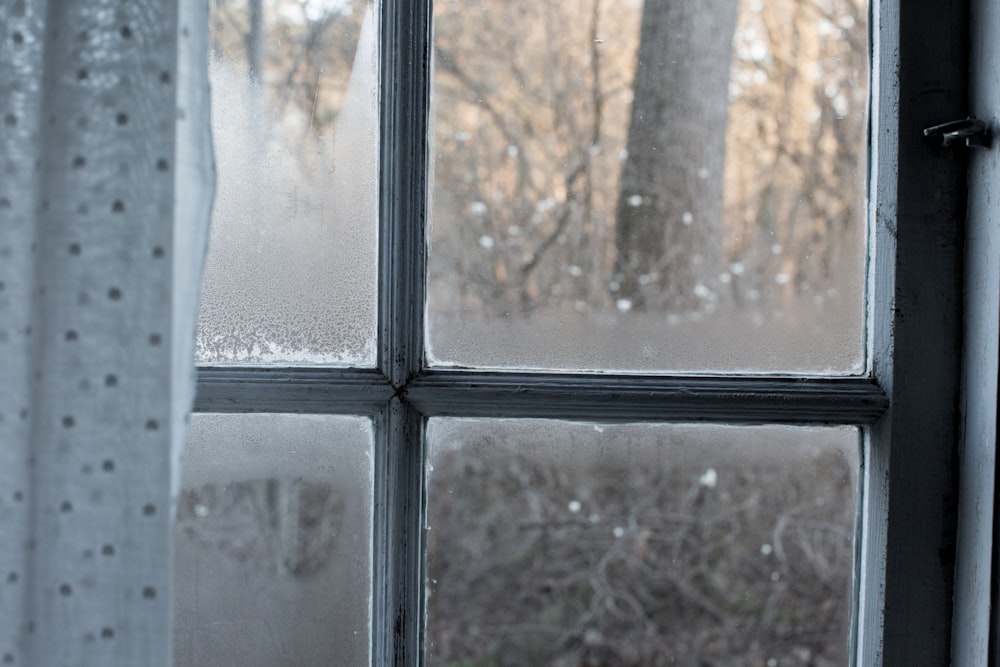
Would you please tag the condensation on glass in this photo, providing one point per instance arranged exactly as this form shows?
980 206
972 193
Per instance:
273 542
668 186
554 543
291 270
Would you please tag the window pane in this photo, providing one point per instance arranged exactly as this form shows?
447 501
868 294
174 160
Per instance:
291 270
553 543
272 555
668 186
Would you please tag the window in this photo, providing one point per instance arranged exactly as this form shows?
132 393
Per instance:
903 398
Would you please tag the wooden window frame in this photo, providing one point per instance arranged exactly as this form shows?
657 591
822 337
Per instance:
907 402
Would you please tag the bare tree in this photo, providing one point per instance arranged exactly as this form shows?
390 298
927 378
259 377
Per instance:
795 152
669 212
530 115
255 39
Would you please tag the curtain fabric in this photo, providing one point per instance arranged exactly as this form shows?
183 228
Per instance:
106 181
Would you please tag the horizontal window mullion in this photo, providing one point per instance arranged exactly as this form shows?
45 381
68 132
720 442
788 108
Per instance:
855 401
565 396
291 390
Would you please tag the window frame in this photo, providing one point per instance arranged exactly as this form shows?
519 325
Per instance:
975 631
907 402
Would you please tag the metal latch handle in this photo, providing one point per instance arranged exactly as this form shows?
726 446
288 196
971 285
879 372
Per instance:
972 130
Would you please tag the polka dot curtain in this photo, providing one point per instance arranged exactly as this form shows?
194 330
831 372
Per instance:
106 181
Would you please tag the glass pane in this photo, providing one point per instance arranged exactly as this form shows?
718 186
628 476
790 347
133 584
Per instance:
273 542
662 186
291 268
578 544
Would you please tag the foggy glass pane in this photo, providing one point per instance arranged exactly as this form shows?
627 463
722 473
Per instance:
290 276
554 543
700 212
272 543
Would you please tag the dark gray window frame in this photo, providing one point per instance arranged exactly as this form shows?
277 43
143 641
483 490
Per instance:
907 403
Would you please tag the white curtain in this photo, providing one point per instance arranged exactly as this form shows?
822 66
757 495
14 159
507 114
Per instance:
106 182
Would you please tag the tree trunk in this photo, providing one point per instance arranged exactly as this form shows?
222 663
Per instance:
668 216
255 40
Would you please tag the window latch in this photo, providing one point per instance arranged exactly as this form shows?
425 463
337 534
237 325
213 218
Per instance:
971 130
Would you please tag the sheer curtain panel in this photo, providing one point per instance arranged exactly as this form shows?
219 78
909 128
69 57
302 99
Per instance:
106 181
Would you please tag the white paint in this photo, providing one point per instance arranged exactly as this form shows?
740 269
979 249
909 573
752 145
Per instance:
977 462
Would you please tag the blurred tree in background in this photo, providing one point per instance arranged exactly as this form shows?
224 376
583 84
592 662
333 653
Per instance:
635 546
550 140
668 219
